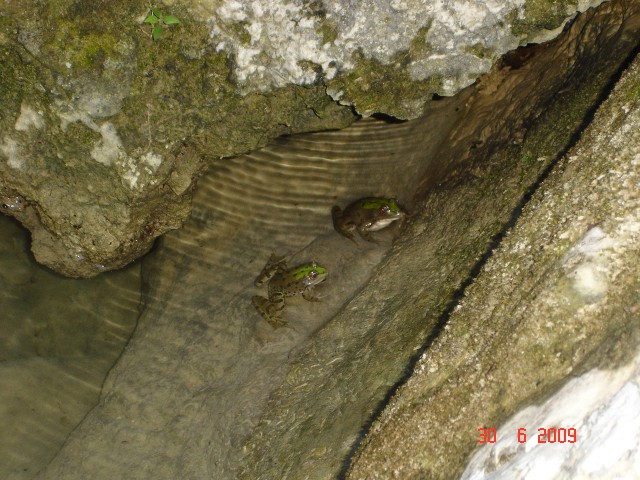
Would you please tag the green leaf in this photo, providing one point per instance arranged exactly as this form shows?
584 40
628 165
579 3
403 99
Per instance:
155 12
152 19
170 20
157 32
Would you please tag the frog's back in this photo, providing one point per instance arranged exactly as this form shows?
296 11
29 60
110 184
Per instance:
285 284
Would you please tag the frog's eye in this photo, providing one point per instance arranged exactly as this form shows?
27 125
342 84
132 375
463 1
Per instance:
313 273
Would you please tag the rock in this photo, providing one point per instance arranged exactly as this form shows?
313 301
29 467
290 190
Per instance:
103 134
379 56
207 388
104 131
558 299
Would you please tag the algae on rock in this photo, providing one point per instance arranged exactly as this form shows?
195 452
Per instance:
357 359
104 131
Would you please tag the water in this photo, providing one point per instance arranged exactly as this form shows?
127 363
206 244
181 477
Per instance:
202 364
59 339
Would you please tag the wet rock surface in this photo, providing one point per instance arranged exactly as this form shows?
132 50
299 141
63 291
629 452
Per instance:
203 362
104 130
207 388
557 298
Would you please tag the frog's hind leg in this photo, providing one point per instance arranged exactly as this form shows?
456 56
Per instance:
270 310
342 226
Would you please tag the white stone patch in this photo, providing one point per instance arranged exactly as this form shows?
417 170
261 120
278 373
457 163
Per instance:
590 282
10 148
153 160
546 35
457 29
588 264
604 409
108 149
130 173
586 4
92 101
284 33
28 118
99 103
233 10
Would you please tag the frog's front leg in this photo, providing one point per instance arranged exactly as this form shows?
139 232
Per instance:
366 235
270 309
343 226
308 295
274 265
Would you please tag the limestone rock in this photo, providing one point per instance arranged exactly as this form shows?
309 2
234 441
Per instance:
104 131
379 56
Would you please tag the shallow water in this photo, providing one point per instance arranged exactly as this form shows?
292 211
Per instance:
202 363
224 359
59 339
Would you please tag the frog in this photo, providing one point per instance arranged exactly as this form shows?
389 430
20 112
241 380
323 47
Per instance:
285 282
366 215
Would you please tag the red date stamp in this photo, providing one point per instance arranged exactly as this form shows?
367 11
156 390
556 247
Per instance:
544 435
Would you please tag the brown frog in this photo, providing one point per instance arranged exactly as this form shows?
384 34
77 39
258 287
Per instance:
366 215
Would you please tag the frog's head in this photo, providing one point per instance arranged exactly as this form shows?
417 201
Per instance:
383 212
310 274
385 208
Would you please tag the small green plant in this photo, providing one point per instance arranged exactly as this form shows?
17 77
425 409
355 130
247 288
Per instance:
527 158
159 22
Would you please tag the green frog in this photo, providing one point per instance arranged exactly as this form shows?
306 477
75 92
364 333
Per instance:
366 215
283 283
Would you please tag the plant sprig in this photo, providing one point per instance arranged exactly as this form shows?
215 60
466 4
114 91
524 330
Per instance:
159 22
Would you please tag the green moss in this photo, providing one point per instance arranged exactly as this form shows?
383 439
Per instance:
239 31
57 8
92 48
85 35
213 115
179 89
562 119
4 22
419 47
375 87
537 15
10 89
315 8
632 92
78 138
328 30
480 51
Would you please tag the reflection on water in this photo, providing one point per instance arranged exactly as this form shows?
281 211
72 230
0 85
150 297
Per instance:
59 338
